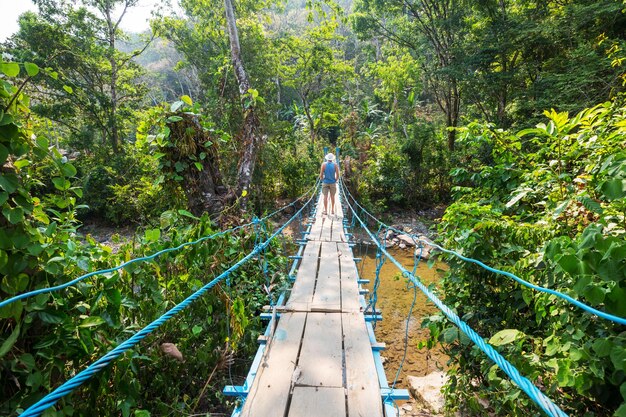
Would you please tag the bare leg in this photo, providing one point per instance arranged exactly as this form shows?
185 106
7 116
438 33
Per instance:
326 203
332 196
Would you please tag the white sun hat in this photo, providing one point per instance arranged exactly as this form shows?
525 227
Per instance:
330 157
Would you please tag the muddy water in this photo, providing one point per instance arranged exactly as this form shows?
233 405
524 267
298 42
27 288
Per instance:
394 300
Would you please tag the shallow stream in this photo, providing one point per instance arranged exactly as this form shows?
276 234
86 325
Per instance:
394 301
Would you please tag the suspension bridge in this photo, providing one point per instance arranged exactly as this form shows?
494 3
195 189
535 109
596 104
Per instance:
319 355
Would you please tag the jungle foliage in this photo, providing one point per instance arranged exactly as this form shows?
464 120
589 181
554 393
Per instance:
547 204
432 102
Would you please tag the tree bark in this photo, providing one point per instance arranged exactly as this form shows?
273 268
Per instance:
204 187
251 139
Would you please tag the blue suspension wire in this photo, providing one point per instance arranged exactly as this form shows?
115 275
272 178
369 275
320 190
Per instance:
145 258
73 383
380 261
558 294
526 385
409 286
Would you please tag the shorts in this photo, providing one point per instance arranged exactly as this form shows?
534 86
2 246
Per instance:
329 187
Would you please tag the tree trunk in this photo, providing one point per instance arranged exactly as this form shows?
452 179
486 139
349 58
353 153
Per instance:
111 56
250 130
309 118
203 187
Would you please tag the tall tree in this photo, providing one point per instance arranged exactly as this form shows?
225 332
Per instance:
432 29
250 131
81 43
316 72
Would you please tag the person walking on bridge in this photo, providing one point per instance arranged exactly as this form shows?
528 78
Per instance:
329 174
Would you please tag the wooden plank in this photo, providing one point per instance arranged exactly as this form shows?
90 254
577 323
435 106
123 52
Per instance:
337 231
302 290
316 228
317 401
349 276
328 289
320 361
269 393
363 391
327 224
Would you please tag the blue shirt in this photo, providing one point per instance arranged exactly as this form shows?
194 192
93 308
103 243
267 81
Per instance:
329 173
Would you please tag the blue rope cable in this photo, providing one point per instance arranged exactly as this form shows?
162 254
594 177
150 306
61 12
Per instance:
380 261
558 294
74 382
144 258
264 265
526 385
409 286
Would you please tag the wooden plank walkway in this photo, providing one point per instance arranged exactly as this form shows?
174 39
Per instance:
319 361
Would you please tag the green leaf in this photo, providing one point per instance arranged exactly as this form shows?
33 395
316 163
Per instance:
517 198
8 344
590 236
10 69
10 132
187 100
68 169
174 119
13 310
450 334
560 209
4 154
621 411
6 119
50 317
31 69
61 183
581 284
142 413
4 258
153 235
569 263
42 142
618 357
614 189
114 296
595 295
198 165
564 375
13 215
91 321
69 89
602 347
187 214
196 330
591 205
505 336
9 182
21 163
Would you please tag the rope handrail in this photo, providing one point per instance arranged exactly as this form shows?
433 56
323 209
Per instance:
150 257
524 383
577 303
74 382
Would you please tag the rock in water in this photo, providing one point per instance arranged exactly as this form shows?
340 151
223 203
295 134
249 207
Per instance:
406 239
171 350
427 390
